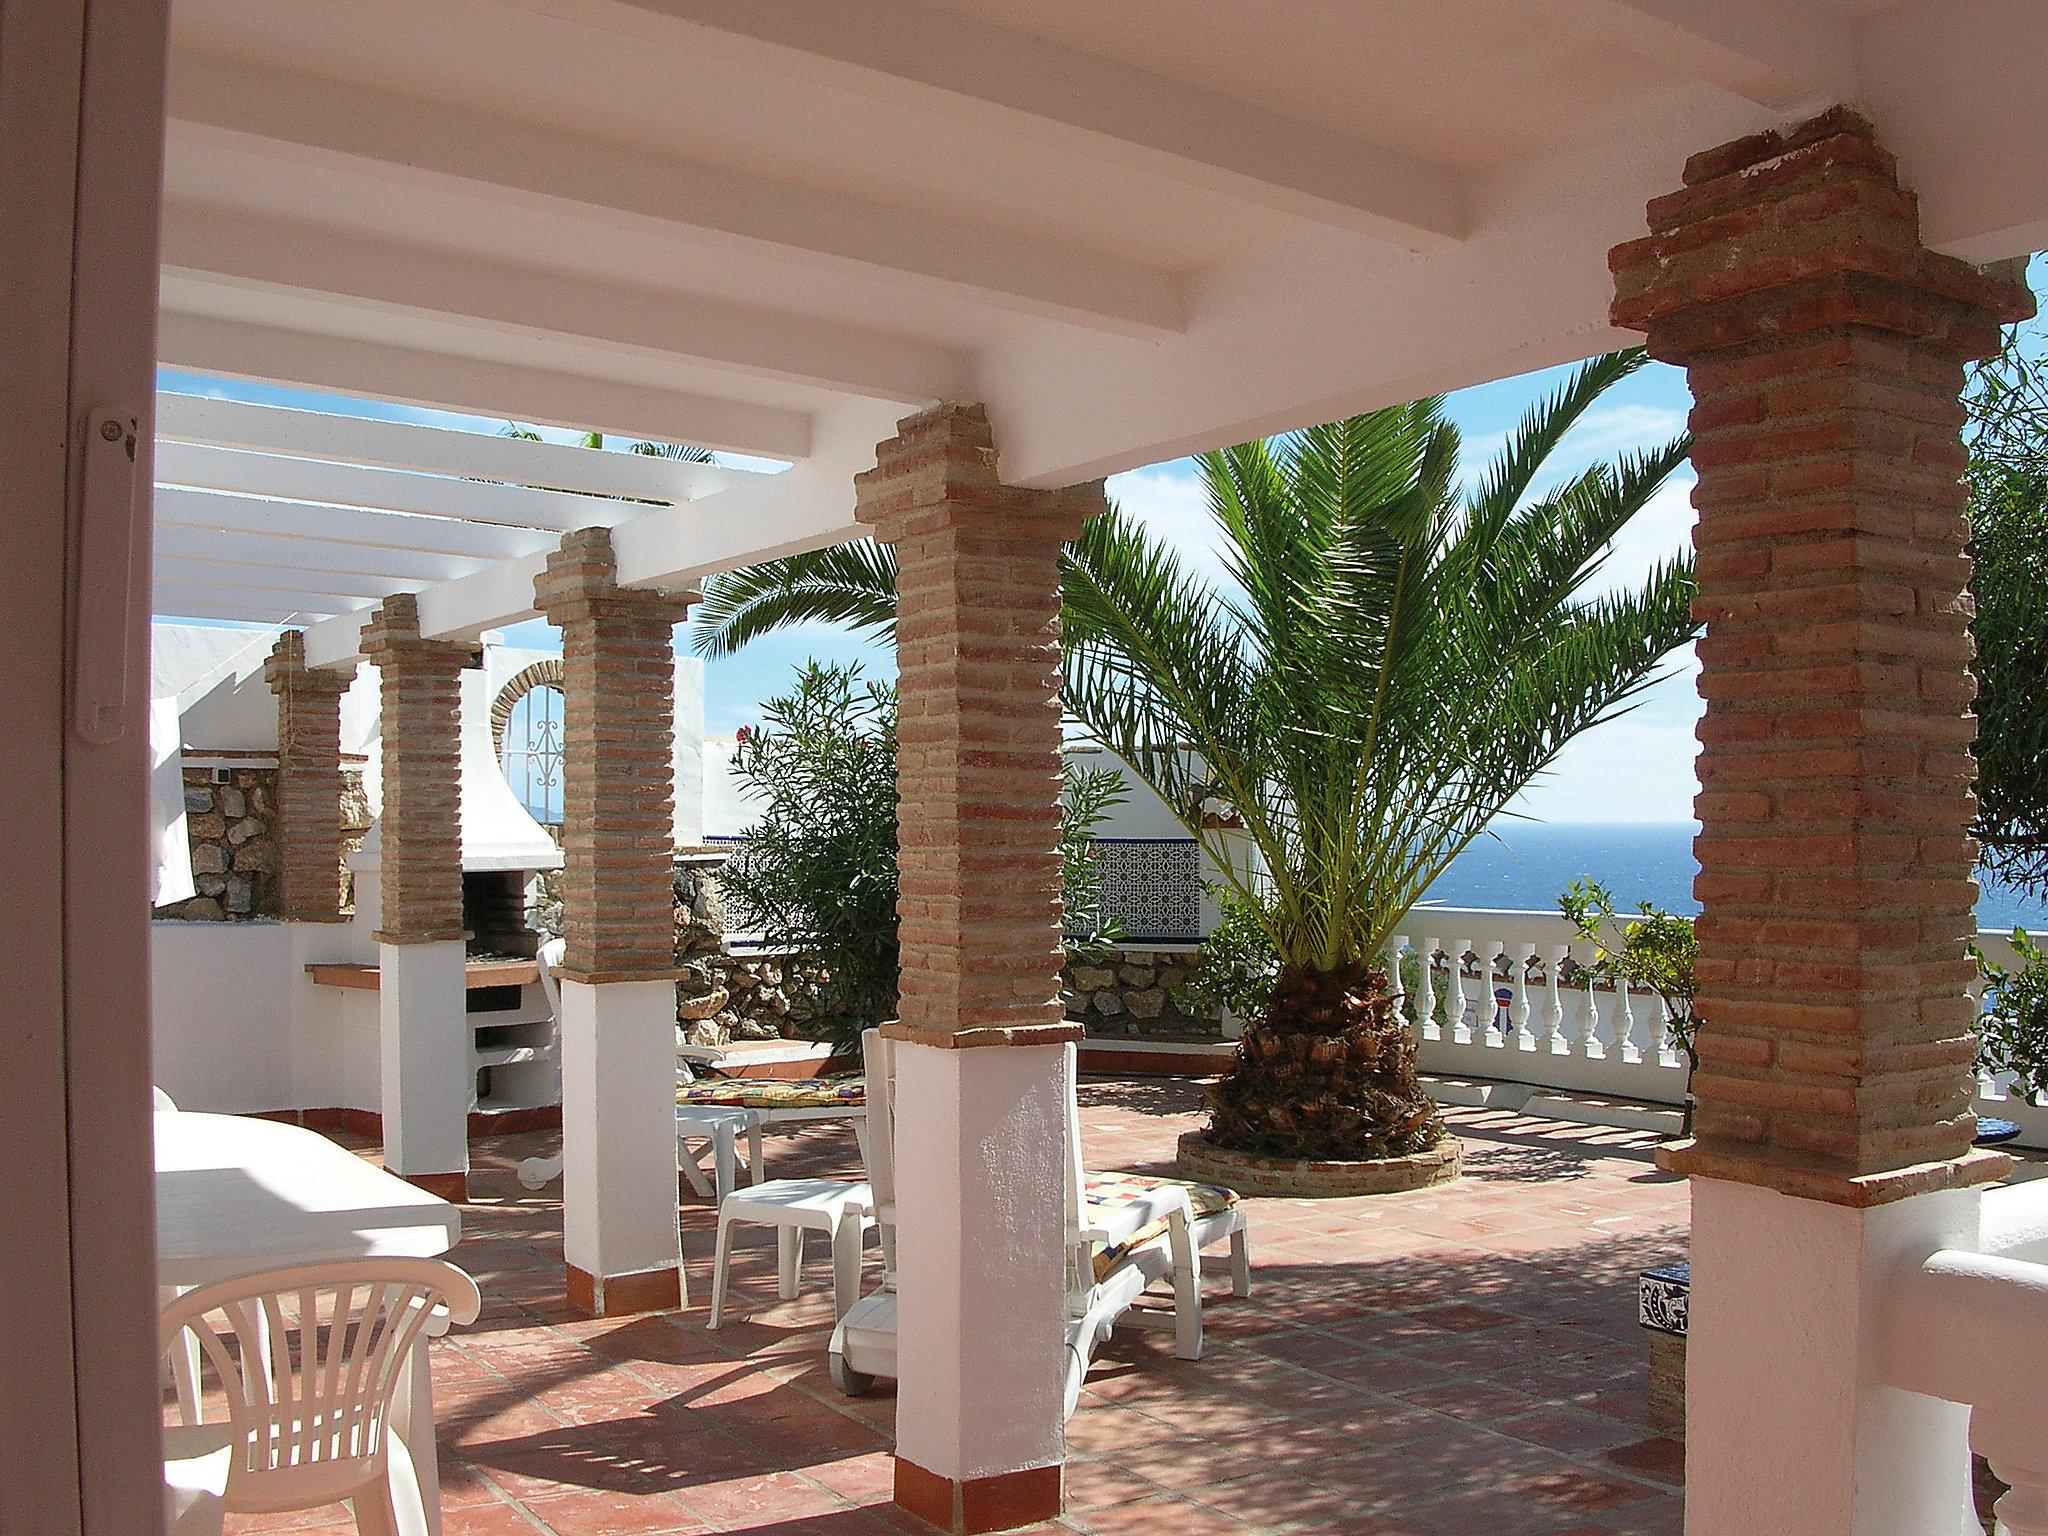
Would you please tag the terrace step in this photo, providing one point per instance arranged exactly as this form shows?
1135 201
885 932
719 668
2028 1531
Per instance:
1555 1104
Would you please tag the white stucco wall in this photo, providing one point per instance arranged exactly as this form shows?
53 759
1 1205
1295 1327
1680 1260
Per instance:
235 1024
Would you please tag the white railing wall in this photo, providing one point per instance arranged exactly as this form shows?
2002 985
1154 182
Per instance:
1553 1033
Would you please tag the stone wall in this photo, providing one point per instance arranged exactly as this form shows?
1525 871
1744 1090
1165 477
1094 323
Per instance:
1132 994
722 996
232 828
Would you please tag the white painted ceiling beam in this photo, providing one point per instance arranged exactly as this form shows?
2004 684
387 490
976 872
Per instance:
409 568
366 440
284 254
498 594
175 600
517 392
806 507
327 122
174 570
1777 53
907 51
1955 93
351 485
345 525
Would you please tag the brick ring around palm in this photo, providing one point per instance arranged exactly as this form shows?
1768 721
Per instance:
1253 1173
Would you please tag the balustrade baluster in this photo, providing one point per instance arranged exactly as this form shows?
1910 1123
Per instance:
1460 1001
1599 1031
1525 1026
1553 1018
1626 1042
2022 1510
1425 1011
1490 1010
1403 1004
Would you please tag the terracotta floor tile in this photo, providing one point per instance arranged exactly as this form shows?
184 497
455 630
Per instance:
611 1514
1461 1361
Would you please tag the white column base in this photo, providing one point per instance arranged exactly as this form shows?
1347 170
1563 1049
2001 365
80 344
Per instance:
619 1228
1789 1428
423 1038
980 1259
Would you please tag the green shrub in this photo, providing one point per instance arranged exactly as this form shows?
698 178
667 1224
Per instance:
2013 1033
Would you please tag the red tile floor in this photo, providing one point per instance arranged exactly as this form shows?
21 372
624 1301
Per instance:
1461 1361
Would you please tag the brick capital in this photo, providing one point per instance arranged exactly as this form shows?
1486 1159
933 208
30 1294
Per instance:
1796 231
582 580
392 639
939 472
285 669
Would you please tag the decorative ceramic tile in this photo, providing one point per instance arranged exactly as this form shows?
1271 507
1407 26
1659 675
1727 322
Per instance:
1662 1298
1153 887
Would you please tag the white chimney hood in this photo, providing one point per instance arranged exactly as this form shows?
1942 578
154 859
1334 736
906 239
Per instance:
498 833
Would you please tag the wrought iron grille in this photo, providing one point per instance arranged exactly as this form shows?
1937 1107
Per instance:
532 753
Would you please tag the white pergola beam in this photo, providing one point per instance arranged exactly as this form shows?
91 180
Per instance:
213 601
181 571
379 444
1780 54
408 568
214 99
806 507
351 485
378 370
902 49
499 594
284 254
345 525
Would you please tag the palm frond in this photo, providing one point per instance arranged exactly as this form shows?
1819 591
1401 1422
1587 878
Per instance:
852 584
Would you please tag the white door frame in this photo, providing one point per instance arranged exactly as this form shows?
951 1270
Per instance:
81 143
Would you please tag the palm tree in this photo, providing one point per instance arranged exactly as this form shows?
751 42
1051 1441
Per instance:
1391 661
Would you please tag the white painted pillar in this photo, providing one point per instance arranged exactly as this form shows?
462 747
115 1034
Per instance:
1790 1429
980 1146
621 1241
980 1261
423 1053
620 1236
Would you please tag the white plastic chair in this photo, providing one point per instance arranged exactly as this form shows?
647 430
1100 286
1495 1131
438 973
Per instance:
863 1344
836 1207
184 1362
309 1360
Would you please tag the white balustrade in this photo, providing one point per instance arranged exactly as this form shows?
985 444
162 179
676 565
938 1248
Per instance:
1563 1034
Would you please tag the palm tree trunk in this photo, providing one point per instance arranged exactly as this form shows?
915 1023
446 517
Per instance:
1328 1074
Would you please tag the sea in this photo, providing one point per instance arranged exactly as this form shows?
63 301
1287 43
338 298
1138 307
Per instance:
1525 866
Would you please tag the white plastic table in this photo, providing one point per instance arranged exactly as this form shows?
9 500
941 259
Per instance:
236 1195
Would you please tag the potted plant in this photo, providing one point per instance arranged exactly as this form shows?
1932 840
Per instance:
1649 948
2013 1032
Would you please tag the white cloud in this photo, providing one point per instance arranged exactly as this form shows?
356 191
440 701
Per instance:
1609 429
1172 503
1662 529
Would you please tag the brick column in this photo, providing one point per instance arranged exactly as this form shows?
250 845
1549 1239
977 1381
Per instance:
308 780
1824 346
423 1027
620 1236
981 1229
